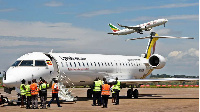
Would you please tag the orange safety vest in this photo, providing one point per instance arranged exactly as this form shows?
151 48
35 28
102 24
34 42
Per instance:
105 89
34 89
54 89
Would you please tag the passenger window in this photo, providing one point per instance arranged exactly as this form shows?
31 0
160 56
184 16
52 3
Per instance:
26 63
83 64
40 63
95 64
70 64
79 63
75 64
66 64
87 64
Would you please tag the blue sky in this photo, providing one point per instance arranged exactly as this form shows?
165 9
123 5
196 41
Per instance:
82 27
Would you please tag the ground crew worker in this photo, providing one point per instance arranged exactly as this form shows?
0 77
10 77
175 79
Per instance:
43 93
39 83
113 94
23 93
54 93
96 92
28 95
117 90
34 94
105 93
99 94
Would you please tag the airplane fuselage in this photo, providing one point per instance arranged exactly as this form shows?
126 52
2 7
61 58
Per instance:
79 69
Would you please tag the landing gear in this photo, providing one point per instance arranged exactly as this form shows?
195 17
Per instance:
131 93
89 93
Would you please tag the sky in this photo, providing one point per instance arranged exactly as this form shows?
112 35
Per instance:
81 26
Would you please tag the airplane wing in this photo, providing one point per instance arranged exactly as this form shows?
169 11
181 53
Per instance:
141 81
130 27
160 37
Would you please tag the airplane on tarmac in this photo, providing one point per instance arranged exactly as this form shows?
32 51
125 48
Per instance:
138 28
73 69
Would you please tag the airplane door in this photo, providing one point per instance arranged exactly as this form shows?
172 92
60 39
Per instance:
118 66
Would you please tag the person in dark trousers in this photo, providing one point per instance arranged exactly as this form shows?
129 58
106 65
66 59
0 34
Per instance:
28 95
113 94
54 93
116 89
43 93
39 83
96 92
23 93
105 93
34 94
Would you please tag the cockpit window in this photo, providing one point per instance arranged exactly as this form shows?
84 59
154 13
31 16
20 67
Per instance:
16 63
26 63
40 63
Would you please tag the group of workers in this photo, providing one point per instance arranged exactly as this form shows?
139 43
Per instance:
102 88
30 93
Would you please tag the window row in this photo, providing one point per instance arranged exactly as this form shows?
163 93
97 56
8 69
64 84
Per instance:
87 64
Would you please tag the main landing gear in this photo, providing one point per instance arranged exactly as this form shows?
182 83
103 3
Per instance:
131 93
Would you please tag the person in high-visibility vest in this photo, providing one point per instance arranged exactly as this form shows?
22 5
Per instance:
43 93
54 93
113 94
105 93
96 92
34 94
23 93
116 88
28 95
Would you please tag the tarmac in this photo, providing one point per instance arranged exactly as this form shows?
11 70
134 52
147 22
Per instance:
150 100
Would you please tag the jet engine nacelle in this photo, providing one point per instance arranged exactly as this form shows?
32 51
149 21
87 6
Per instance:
157 61
148 29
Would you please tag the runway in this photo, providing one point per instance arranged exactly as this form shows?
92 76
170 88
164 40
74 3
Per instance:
150 100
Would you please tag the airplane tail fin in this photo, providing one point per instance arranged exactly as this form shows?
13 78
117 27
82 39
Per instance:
113 28
152 42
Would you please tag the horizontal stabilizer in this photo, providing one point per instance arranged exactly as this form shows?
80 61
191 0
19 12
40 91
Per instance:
172 37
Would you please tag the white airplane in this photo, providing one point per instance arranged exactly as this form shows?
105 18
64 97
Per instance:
138 28
81 69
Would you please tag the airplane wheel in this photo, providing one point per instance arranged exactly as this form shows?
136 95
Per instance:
135 93
129 93
89 93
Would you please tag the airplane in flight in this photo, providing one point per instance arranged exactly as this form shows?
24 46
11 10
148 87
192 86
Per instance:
73 69
138 28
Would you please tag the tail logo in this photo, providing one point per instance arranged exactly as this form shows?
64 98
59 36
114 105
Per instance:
114 28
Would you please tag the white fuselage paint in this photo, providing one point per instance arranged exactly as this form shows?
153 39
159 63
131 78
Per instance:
144 26
79 69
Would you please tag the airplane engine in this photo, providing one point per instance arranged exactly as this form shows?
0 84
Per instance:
148 29
157 61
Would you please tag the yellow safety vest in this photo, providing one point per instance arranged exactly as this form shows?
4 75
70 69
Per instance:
97 86
28 90
22 90
117 86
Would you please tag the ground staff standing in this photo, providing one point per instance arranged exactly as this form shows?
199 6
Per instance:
23 93
43 93
28 95
105 93
96 92
34 94
117 90
55 93
113 94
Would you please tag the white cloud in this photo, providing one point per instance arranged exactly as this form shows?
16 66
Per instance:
192 52
53 4
172 17
100 12
116 10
